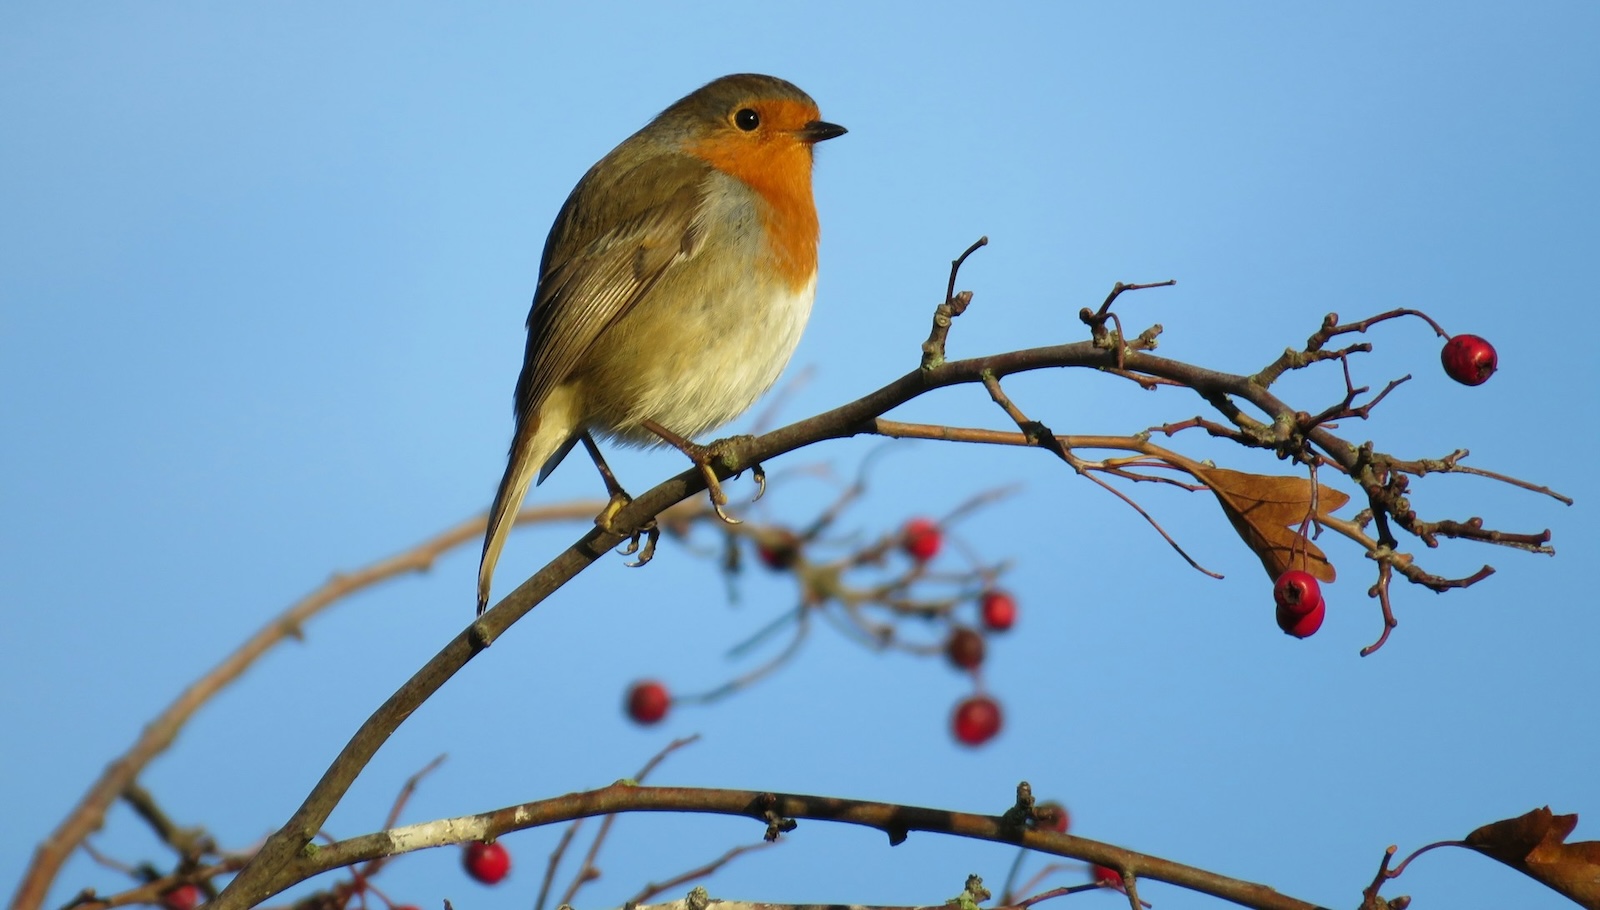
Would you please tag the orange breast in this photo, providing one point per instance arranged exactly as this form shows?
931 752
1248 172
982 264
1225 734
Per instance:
778 167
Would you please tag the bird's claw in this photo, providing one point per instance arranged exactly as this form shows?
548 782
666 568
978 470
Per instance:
652 535
760 475
714 490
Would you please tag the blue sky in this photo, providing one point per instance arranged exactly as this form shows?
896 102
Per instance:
263 271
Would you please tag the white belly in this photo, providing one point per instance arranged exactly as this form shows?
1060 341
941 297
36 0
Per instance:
693 391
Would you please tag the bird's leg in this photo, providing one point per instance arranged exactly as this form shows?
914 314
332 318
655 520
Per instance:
619 500
619 497
702 456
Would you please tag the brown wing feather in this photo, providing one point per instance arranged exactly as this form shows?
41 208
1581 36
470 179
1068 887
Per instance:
598 282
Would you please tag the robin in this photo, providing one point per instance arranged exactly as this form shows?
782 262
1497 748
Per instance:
673 289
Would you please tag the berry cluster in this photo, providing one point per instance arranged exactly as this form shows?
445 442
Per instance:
977 718
1468 359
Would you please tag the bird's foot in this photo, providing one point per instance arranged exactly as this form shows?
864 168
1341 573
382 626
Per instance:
607 519
651 534
706 457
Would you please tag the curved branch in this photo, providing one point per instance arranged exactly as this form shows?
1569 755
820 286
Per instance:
894 820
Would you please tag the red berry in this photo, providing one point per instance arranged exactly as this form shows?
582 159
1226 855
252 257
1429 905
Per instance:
964 648
647 701
1104 875
487 863
998 609
778 554
920 539
776 560
1052 815
1297 592
1469 359
1302 625
976 720
184 897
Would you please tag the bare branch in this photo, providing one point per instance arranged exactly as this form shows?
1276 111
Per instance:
890 818
943 315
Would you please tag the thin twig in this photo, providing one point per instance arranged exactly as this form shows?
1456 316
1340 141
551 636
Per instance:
1451 464
554 862
1395 873
1057 892
1038 434
1118 289
933 349
699 872
802 625
115 865
400 800
587 871
955 267
1008 890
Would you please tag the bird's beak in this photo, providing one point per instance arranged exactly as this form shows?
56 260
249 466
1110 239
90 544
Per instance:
819 131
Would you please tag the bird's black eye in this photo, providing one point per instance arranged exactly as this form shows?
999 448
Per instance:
746 119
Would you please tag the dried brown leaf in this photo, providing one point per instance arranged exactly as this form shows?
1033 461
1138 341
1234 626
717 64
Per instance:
1267 511
1534 844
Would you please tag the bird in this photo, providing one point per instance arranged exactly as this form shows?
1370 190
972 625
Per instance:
674 286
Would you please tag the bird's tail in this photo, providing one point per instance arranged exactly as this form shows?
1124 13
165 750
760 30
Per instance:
530 450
